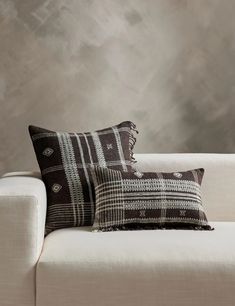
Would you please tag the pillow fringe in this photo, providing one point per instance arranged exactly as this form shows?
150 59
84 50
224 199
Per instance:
135 227
132 141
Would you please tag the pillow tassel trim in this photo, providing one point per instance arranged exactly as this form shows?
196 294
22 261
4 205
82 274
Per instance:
132 141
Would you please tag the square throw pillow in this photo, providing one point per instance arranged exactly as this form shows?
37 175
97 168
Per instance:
148 200
64 159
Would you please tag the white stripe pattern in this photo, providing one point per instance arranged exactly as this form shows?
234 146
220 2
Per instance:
119 146
86 174
99 150
73 179
89 150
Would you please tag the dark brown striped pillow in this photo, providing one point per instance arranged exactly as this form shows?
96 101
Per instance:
148 200
64 159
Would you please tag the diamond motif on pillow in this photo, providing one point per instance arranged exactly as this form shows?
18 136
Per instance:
142 213
182 213
109 146
56 187
177 174
48 152
138 174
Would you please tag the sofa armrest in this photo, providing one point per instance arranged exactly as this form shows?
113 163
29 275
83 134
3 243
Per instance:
22 223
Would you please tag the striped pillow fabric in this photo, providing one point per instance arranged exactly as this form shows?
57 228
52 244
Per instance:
64 159
148 200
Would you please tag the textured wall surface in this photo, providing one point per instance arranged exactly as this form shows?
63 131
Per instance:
77 65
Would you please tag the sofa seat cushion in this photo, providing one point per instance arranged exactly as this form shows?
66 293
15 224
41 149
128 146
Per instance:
152 267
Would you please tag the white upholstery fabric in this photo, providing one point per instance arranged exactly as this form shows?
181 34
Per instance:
160 268
136 268
22 222
218 185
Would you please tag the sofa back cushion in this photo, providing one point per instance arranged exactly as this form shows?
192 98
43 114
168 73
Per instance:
218 188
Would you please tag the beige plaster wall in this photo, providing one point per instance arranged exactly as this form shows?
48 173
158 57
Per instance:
77 65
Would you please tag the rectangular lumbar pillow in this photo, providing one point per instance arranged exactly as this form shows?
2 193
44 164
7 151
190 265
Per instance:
148 200
64 159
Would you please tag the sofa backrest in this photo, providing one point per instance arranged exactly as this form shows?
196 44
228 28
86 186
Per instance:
218 185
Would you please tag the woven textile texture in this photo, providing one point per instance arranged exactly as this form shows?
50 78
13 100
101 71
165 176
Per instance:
64 159
148 200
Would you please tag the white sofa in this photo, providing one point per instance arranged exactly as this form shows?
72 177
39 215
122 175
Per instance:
75 266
